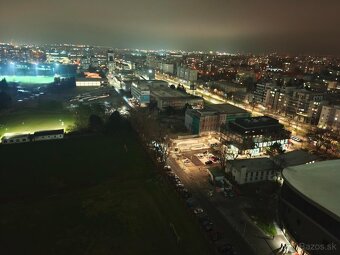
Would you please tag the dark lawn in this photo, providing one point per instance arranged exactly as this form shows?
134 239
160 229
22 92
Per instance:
89 196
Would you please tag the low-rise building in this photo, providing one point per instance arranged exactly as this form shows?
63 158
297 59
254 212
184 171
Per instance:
212 118
294 158
15 138
166 97
252 170
48 135
254 135
90 82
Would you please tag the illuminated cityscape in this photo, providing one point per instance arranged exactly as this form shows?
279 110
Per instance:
227 142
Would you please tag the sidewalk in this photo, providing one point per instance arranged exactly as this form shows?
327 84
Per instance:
261 243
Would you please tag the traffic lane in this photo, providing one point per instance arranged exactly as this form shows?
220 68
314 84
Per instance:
195 187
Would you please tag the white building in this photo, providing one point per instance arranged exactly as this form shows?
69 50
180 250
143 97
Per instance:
252 170
90 82
48 135
141 92
15 138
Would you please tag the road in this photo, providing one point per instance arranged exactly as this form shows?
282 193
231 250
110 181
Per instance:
226 213
199 188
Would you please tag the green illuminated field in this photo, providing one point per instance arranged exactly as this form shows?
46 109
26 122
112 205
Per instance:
32 80
34 120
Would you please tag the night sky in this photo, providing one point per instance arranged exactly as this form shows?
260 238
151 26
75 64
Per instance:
304 26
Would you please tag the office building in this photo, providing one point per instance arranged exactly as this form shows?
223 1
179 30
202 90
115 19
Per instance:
141 92
254 135
175 99
212 118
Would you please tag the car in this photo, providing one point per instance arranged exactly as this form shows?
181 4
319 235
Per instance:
170 174
296 139
179 185
167 168
209 162
198 210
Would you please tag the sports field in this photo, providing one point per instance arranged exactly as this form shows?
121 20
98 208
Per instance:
32 120
90 195
28 80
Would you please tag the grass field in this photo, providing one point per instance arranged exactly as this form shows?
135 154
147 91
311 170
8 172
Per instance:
90 196
34 120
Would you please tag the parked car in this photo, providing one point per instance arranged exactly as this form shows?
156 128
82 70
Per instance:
198 210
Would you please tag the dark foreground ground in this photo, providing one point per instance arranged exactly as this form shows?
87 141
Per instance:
90 195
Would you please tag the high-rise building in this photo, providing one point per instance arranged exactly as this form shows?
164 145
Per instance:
110 61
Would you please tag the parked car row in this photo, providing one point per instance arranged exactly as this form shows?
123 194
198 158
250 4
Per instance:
206 224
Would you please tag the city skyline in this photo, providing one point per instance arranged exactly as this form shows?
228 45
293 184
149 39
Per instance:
231 26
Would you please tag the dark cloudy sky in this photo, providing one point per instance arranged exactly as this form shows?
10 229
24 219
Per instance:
233 25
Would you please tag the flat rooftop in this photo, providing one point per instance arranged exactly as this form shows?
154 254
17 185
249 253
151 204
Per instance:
319 182
297 157
254 164
166 92
226 108
257 122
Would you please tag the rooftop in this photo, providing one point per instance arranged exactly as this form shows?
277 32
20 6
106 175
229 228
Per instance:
320 182
49 132
297 157
226 108
166 92
254 164
257 122
9 136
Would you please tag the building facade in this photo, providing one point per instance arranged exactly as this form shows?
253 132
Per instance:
330 117
48 135
254 135
141 92
252 170
211 119
309 210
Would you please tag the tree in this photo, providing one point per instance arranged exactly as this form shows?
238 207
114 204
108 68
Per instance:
5 100
114 122
81 116
172 86
3 84
96 124
318 137
275 149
